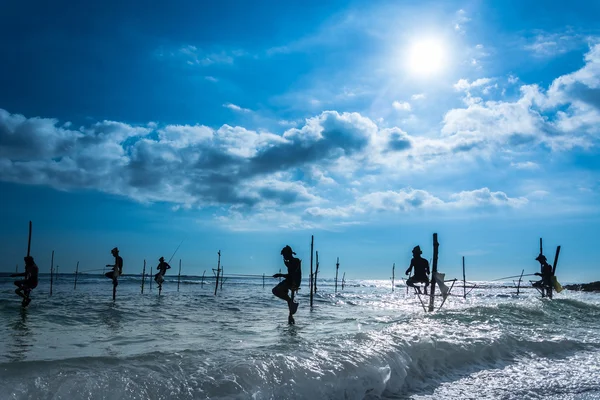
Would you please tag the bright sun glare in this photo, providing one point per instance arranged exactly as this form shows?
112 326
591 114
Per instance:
426 57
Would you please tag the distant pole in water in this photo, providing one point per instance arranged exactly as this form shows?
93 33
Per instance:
343 281
541 248
337 267
29 240
263 281
312 245
51 272
179 276
222 277
436 245
218 272
143 276
555 260
519 284
76 273
316 271
465 280
202 283
393 275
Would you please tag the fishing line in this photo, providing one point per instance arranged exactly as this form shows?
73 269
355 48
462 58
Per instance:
168 262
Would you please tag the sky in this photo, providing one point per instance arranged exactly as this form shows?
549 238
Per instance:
245 126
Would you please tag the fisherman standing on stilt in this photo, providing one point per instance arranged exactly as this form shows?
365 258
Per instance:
117 268
25 286
291 282
421 266
162 268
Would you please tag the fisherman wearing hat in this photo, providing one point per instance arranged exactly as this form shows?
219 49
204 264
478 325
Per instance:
291 281
25 286
162 268
546 274
117 267
421 270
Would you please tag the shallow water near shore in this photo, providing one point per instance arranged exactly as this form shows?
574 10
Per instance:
361 342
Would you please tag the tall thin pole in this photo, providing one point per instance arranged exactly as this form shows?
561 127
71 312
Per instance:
464 280
202 283
541 249
343 280
29 240
393 276
51 272
312 244
218 272
433 272
519 284
337 267
316 271
179 276
263 281
143 276
76 273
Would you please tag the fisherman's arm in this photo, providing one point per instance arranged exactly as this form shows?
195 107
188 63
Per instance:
281 276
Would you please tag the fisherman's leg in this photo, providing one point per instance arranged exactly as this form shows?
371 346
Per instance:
20 288
281 291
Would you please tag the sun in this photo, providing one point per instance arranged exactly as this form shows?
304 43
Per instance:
426 57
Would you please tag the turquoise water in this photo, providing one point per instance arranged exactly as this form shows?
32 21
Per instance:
363 342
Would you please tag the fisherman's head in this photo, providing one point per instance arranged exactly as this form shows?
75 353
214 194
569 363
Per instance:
114 251
541 258
28 260
287 252
417 251
161 259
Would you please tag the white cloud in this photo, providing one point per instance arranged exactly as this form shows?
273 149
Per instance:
460 20
525 165
401 106
465 85
418 96
237 108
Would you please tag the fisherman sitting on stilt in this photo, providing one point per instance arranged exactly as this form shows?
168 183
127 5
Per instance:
117 267
421 267
162 268
544 284
25 286
291 281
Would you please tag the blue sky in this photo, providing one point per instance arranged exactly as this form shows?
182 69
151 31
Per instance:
245 126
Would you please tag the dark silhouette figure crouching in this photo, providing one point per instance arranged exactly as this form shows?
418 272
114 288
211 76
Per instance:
421 267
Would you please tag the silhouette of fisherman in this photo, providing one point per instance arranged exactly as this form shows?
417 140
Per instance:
291 281
162 268
545 273
117 267
25 286
421 267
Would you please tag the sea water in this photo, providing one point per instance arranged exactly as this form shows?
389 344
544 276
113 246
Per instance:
363 342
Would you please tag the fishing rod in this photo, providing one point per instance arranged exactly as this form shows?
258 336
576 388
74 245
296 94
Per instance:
510 277
175 252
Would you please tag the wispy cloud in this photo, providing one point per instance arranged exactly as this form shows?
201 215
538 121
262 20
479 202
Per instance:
237 108
401 106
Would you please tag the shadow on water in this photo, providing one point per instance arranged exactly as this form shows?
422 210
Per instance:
22 336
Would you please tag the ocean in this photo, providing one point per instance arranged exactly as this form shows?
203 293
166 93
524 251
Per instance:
363 342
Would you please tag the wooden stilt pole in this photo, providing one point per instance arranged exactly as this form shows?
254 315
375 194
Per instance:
263 281
202 283
393 275
312 245
316 271
337 267
76 273
551 288
541 248
179 276
433 272
218 272
343 280
222 276
29 240
519 284
51 272
464 280
143 276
